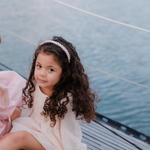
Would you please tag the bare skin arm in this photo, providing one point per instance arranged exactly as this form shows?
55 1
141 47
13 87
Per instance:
16 114
20 140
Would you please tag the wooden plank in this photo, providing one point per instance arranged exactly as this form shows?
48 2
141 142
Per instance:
102 138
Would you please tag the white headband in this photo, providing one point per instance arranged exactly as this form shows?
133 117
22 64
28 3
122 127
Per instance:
60 45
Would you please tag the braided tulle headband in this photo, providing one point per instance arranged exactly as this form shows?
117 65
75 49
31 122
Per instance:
60 45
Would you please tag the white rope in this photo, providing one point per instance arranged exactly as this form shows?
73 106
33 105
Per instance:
117 77
17 36
87 12
83 64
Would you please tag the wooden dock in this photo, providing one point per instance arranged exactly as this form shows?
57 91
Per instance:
111 135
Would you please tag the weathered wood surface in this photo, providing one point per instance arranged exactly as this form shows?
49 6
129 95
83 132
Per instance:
98 137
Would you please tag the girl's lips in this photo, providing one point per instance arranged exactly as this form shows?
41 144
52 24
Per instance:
42 81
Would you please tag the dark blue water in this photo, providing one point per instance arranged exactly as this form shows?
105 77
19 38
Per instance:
113 48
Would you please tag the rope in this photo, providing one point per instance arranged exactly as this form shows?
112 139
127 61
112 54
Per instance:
5 66
117 77
17 36
111 20
11 69
83 64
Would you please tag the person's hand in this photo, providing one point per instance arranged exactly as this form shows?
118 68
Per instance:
2 91
16 114
3 94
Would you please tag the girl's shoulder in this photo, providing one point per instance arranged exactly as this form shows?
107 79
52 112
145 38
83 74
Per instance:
69 95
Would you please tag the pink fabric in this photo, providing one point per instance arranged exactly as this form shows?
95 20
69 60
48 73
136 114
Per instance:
12 83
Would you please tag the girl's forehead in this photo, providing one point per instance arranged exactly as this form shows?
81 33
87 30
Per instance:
47 59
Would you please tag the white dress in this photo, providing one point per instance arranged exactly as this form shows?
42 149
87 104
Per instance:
65 135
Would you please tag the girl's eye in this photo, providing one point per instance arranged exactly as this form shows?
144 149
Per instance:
50 69
39 66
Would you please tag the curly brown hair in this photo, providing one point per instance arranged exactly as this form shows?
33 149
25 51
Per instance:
73 80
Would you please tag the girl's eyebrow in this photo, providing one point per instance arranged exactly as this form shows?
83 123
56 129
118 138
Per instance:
51 66
47 66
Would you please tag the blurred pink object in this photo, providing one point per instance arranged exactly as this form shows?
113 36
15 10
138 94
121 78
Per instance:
11 85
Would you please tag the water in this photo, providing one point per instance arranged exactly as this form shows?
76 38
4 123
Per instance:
107 46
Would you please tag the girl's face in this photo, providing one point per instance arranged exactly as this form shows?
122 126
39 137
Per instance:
47 72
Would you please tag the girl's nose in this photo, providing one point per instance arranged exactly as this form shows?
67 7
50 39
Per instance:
43 72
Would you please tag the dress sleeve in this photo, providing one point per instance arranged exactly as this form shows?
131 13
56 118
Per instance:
70 131
26 111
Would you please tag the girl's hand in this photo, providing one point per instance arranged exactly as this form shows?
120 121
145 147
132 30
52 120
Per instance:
16 114
2 91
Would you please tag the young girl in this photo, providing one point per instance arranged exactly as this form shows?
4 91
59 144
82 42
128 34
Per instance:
57 97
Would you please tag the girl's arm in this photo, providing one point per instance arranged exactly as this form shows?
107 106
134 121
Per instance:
16 114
